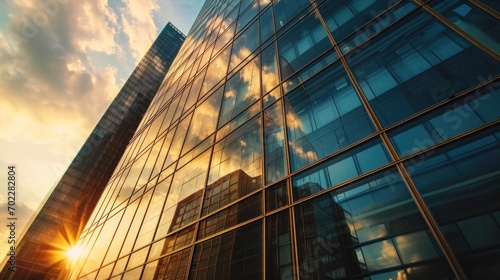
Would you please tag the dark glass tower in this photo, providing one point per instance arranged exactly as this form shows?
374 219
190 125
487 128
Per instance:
57 225
299 139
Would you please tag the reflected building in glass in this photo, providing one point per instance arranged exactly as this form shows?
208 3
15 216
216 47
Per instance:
299 139
41 253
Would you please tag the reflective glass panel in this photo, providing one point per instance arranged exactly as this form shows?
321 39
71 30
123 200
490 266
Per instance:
345 17
274 143
239 152
276 196
285 10
244 45
422 63
343 167
301 44
233 255
459 182
279 246
324 115
204 121
242 90
367 226
471 19
462 115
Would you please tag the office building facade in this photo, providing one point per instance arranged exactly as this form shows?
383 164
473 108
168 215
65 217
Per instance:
41 252
299 139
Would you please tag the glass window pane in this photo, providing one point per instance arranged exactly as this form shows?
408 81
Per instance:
266 25
285 10
459 182
276 196
204 121
345 17
343 167
471 19
279 246
242 90
300 45
240 150
270 75
422 63
367 226
174 266
323 116
233 215
460 116
233 255
274 143
244 45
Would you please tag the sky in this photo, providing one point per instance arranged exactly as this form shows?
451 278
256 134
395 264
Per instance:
61 64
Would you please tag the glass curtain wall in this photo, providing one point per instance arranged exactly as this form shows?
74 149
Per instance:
298 139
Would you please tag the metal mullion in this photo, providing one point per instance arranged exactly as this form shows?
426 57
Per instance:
485 8
433 225
442 19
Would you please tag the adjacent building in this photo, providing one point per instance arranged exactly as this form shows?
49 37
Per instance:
41 253
298 139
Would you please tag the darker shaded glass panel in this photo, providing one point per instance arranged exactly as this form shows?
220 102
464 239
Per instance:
301 44
173 267
279 246
471 19
276 196
324 115
274 143
341 168
247 16
345 17
418 63
266 25
459 182
368 226
233 255
285 10
231 216
178 240
462 115
493 4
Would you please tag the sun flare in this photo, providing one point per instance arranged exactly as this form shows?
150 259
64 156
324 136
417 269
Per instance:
74 253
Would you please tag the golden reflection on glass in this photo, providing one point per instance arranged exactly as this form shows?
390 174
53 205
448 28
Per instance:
204 121
240 150
241 90
136 223
121 233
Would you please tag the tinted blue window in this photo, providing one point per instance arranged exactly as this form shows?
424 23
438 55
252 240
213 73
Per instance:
348 165
471 19
460 184
416 64
460 116
365 227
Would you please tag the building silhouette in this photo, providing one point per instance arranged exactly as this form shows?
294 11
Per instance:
58 223
299 139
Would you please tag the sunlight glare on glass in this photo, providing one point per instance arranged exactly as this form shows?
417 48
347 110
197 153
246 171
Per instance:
74 253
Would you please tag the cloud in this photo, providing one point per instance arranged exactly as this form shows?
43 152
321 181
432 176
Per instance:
52 94
138 25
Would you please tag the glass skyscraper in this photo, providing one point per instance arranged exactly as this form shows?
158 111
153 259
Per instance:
57 225
298 139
